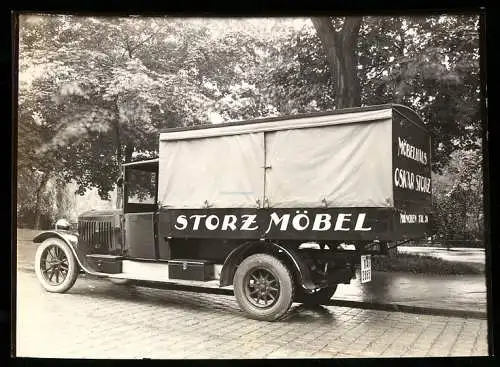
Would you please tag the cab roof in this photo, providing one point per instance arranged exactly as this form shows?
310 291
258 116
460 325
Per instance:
146 165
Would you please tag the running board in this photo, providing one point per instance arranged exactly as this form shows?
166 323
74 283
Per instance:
160 272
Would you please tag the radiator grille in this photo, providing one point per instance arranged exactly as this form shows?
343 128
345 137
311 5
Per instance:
96 234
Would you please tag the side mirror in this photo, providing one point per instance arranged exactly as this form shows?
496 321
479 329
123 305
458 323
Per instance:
119 182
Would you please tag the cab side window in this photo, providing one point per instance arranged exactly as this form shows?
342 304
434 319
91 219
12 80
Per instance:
141 187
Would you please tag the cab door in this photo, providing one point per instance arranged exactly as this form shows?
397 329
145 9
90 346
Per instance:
140 211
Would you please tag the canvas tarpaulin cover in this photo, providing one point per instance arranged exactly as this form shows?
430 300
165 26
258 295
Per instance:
223 172
342 160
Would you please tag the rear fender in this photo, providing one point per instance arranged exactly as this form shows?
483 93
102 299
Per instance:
288 256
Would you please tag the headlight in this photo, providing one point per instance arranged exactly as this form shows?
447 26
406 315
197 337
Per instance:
63 224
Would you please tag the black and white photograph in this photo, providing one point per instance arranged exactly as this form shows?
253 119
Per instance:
249 187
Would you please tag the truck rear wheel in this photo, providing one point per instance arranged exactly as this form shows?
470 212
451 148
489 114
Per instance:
263 287
55 265
317 298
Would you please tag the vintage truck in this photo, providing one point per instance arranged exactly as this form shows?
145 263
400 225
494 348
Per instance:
279 210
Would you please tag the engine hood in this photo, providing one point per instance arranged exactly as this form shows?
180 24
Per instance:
100 213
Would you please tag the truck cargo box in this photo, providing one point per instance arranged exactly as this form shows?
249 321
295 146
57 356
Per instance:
373 161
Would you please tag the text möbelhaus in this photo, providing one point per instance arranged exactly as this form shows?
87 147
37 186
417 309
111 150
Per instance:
411 151
298 221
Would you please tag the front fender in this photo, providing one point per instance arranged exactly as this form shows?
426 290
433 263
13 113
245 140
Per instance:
69 237
294 261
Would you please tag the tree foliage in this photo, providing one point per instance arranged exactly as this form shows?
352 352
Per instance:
104 87
430 64
458 197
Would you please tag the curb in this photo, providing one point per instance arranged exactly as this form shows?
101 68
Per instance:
391 307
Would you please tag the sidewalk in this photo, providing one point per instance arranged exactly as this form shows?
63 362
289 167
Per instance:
464 293
26 249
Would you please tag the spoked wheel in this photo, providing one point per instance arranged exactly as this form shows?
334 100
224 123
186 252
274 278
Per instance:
55 265
263 287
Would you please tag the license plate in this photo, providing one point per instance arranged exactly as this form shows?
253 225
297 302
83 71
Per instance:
366 268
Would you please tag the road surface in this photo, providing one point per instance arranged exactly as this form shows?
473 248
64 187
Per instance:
97 319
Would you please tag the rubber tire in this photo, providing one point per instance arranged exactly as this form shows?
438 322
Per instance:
73 267
284 277
317 298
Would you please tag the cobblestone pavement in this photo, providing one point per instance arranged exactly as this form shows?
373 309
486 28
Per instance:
97 319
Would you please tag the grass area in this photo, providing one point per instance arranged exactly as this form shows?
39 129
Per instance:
418 264
440 243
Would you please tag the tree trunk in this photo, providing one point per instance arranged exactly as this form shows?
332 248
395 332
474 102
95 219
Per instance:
118 143
341 54
463 214
41 186
398 92
129 149
119 188
479 223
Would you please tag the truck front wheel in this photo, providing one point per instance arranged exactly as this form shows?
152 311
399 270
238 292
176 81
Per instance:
55 265
263 287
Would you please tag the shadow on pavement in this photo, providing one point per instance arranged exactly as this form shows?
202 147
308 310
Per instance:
377 291
164 298
309 314
203 303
